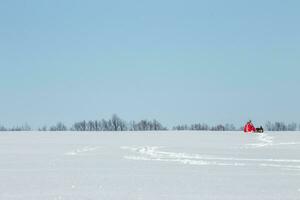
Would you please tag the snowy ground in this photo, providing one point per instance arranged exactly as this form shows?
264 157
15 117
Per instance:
150 166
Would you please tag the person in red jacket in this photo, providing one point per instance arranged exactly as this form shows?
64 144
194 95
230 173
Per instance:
249 127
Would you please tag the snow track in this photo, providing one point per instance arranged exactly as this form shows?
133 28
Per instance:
81 151
265 140
154 153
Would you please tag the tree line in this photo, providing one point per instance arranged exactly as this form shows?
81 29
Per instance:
281 126
205 127
269 126
115 123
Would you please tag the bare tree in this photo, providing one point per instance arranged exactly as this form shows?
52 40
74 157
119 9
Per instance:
292 127
44 128
2 128
58 127
269 126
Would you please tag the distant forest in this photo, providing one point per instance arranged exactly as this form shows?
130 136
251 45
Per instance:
115 123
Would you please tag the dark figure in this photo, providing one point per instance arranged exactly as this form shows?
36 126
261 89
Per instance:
260 129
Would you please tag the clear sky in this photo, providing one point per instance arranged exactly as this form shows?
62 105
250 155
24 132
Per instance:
210 61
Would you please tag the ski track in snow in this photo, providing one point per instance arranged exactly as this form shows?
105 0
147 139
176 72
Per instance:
82 150
266 140
153 153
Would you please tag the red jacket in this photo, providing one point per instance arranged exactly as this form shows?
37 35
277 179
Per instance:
249 128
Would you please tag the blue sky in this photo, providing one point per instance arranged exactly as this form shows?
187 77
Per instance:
177 61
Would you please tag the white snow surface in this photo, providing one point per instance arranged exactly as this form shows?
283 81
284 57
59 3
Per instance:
149 165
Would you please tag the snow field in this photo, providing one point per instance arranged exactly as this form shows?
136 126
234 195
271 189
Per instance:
144 165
